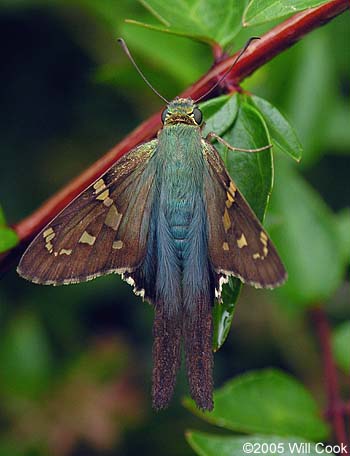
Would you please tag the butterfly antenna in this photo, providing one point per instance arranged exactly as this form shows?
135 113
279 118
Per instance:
227 72
130 57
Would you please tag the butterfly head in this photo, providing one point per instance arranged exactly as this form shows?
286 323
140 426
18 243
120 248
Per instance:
182 110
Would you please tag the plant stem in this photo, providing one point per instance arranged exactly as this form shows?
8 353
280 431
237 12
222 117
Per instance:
261 51
335 406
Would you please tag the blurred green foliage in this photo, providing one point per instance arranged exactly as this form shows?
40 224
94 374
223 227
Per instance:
341 346
76 361
266 402
8 237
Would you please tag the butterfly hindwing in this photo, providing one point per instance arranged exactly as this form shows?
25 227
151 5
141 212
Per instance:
238 244
103 230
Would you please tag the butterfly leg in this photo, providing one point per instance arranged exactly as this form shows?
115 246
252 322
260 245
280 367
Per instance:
239 149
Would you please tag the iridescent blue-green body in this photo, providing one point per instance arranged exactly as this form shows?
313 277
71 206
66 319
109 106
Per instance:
177 267
169 218
182 217
184 288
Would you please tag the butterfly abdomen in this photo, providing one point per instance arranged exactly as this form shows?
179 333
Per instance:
179 222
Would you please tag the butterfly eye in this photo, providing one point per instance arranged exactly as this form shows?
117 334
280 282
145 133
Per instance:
164 113
198 116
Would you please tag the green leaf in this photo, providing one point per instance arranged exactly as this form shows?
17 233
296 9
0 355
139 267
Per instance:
341 346
282 133
210 21
223 312
306 238
260 11
213 445
219 114
268 401
8 237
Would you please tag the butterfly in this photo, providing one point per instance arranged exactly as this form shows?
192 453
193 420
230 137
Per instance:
170 220
167 217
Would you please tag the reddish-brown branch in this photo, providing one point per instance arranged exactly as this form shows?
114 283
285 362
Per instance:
259 52
218 53
335 406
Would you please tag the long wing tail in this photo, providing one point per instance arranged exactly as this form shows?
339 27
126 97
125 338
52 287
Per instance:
167 331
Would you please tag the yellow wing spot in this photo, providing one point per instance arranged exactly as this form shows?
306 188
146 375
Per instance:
264 239
65 251
230 200
113 218
108 201
226 220
242 242
48 232
225 246
49 247
99 185
117 245
232 188
87 238
102 196
256 256
48 235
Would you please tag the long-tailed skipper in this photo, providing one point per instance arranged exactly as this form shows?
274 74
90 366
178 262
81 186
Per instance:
167 217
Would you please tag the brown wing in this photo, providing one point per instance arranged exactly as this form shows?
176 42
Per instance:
238 243
103 230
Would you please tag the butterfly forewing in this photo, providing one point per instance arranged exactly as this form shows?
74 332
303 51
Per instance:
103 230
238 244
